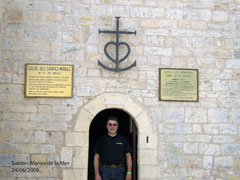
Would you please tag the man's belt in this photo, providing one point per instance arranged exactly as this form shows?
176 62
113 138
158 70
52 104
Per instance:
113 165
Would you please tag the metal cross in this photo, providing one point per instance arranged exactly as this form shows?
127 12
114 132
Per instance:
117 44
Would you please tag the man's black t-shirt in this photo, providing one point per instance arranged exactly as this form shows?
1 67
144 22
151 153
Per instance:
112 150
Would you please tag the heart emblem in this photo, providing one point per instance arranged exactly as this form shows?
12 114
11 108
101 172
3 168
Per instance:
117 47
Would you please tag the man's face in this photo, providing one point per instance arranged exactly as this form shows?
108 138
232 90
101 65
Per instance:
112 127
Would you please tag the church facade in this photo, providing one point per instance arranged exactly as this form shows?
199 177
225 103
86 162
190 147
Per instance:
117 65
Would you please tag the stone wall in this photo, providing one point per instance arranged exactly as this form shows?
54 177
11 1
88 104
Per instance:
198 140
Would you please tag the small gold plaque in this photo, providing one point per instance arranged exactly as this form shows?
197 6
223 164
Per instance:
48 80
178 85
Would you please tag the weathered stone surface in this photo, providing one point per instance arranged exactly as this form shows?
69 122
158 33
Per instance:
187 140
207 162
218 115
67 154
76 139
71 174
171 115
223 162
6 160
209 149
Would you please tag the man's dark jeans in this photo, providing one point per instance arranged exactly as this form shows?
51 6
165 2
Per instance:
112 173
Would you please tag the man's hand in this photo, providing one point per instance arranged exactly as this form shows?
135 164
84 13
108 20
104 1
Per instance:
98 177
128 177
96 166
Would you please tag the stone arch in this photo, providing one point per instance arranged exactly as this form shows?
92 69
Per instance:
79 138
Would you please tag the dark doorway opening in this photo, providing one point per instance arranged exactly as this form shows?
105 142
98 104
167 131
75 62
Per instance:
127 127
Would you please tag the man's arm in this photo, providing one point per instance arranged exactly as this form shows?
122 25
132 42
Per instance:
129 166
96 166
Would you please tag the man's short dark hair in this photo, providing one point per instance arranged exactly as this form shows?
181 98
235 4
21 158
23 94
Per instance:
113 118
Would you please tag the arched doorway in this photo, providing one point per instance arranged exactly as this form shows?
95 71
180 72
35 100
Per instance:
127 127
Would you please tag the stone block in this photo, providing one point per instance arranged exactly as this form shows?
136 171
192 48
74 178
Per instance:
154 33
183 129
156 51
153 3
217 115
24 109
5 77
231 149
144 121
39 157
207 162
237 54
40 137
209 149
80 159
4 136
35 35
223 139
44 109
235 115
67 154
173 115
148 172
6 159
146 12
55 138
198 42
50 126
191 148
19 136
230 129
83 125
173 13
42 117
219 85
205 15
177 138
62 109
229 102
197 129
54 158
5 173
48 148
43 6
73 174
96 106
227 74
211 128
93 72
233 86
14 15
172 153
167 128
193 162
132 107
149 22
234 64
76 139
148 156
234 177
225 163
199 138
220 16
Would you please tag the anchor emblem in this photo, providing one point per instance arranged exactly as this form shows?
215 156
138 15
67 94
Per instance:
117 44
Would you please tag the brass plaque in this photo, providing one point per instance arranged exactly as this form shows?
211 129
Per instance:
48 80
178 85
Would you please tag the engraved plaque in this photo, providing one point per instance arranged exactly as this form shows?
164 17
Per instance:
178 85
48 80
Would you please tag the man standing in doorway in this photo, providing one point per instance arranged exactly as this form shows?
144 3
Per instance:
112 151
